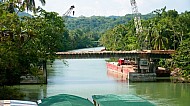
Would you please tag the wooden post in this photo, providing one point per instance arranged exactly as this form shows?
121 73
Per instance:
138 64
45 71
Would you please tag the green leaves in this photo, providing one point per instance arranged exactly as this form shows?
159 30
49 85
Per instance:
120 37
25 43
168 30
181 58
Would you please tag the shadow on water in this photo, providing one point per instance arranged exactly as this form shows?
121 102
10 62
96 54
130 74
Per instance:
164 93
23 92
163 79
8 92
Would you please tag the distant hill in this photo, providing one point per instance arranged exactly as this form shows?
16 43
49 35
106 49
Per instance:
23 14
99 23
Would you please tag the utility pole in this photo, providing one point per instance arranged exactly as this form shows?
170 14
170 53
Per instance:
138 26
136 14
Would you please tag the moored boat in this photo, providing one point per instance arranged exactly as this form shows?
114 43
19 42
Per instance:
122 69
142 70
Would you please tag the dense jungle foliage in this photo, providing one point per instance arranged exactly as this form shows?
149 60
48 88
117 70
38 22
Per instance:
165 31
93 27
168 30
26 41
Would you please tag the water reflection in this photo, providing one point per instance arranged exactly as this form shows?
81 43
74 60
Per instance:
165 94
33 92
117 76
91 78
87 77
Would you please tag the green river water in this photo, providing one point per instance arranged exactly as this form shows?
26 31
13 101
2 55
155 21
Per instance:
87 77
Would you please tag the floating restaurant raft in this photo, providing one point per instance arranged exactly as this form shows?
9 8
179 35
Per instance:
142 70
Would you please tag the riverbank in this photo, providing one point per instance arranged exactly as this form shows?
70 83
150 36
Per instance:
179 77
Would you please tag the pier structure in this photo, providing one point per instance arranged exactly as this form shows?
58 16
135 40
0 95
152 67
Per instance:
145 60
153 54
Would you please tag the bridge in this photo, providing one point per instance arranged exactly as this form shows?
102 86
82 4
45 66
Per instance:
154 54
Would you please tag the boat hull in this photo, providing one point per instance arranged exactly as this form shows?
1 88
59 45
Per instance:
123 70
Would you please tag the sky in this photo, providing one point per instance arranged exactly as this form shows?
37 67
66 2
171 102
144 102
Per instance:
112 7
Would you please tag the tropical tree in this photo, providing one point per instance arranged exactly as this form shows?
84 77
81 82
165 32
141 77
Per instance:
10 45
148 33
181 59
183 25
30 4
22 5
79 39
25 43
120 37
159 41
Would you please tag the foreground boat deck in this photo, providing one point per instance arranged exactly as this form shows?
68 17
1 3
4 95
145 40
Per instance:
120 100
72 100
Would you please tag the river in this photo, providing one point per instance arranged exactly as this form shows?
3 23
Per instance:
87 77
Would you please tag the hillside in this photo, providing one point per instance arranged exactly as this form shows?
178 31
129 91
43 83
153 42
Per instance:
99 23
24 14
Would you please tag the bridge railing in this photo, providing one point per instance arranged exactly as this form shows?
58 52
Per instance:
120 54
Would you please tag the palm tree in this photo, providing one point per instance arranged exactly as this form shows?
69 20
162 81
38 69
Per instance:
159 41
22 5
149 34
30 4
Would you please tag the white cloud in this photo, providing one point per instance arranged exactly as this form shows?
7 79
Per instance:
97 2
120 1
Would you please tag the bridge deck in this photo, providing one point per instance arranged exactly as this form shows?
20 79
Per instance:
119 54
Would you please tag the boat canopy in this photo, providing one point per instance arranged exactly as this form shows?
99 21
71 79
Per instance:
65 100
120 100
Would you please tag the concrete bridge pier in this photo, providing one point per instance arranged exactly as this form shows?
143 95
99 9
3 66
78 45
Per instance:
146 70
